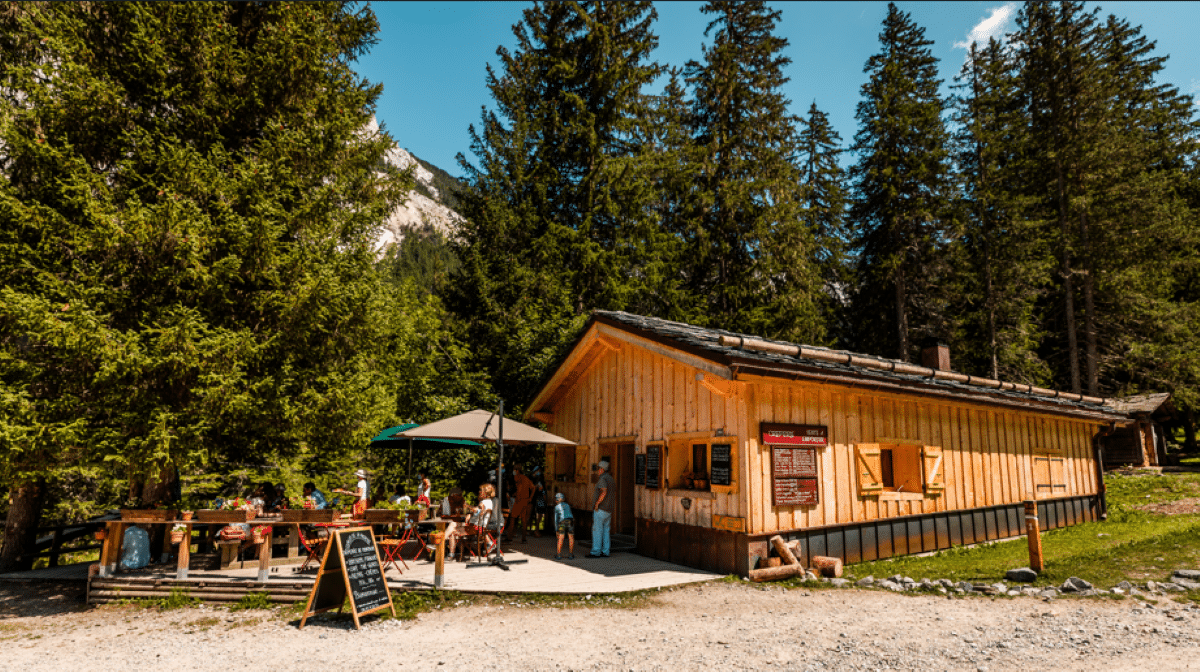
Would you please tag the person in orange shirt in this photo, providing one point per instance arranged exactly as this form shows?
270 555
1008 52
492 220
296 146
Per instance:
523 507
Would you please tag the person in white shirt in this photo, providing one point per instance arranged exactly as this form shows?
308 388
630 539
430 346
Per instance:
359 493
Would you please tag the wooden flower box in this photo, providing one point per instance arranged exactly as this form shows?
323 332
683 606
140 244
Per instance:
223 516
381 516
309 515
148 515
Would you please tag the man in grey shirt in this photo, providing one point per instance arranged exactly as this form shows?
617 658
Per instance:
606 498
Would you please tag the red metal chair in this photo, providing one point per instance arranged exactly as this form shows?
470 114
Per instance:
315 547
391 553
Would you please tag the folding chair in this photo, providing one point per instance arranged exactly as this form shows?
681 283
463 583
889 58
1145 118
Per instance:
411 533
315 547
391 553
487 537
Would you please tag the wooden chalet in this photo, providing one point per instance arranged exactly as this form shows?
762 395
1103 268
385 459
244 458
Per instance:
1142 443
720 440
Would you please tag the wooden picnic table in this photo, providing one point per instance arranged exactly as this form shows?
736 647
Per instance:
110 551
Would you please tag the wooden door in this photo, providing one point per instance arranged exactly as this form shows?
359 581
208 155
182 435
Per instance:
625 474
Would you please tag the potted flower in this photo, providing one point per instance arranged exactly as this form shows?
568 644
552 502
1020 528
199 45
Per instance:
177 533
437 536
261 533
101 533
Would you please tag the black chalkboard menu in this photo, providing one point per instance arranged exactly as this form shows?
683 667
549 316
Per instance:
721 471
639 472
653 466
350 567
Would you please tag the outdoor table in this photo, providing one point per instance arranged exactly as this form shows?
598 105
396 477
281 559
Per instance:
110 551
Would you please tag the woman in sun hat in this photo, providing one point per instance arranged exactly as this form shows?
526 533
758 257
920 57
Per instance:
359 493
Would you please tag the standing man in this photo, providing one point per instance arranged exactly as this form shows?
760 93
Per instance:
523 505
606 491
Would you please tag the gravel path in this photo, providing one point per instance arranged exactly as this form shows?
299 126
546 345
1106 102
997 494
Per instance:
716 625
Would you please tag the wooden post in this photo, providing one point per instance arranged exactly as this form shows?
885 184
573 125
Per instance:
439 567
264 559
185 555
293 544
55 547
1035 536
166 543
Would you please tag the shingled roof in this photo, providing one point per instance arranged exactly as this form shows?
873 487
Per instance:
747 354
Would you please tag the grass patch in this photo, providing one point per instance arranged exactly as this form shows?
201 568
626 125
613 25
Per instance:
253 601
1131 545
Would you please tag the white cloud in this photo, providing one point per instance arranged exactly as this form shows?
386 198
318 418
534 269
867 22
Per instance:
995 25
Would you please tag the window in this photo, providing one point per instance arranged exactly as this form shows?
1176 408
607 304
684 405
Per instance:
564 464
899 471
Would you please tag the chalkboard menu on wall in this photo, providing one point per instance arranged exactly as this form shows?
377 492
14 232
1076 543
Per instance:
639 472
721 472
653 466
350 567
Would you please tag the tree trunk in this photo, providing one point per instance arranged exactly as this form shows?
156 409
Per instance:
1189 432
1089 307
25 502
901 315
1064 270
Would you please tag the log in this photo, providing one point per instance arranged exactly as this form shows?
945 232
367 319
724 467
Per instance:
776 573
828 567
784 552
772 562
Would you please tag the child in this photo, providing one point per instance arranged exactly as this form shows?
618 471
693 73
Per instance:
564 523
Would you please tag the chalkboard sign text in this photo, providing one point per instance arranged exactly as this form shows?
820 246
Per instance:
639 472
350 567
653 465
721 472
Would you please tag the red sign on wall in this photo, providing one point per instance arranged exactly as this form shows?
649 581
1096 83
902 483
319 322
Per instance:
794 435
794 492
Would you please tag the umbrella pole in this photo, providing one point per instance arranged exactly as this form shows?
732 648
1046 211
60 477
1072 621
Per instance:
408 478
500 487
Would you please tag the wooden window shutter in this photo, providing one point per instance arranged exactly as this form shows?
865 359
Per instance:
935 471
733 465
1041 476
870 479
582 453
1058 475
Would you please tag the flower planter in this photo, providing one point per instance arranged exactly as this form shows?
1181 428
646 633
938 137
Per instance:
308 515
381 516
101 534
147 515
186 515
177 537
436 538
223 516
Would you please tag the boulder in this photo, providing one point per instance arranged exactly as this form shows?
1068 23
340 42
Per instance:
1021 574
1186 583
866 582
1189 574
965 586
838 583
1075 585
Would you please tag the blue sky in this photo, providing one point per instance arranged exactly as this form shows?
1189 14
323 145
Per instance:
431 56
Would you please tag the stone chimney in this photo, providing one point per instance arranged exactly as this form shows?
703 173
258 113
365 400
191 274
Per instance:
935 355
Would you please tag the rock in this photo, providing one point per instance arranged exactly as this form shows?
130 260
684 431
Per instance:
946 583
809 576
964 586
891 585
1125 586
1134 592
1118 591
1189 574
1000 587
1172 587
868 581
908 579
896 578
1048 593
1075 585
838 583
1151 586
1014 593
1021 574
1186 583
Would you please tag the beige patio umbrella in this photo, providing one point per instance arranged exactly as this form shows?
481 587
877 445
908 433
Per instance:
480 425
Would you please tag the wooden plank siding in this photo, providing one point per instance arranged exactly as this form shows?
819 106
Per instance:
634 391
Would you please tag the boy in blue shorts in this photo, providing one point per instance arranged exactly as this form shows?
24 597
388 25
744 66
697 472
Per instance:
564 525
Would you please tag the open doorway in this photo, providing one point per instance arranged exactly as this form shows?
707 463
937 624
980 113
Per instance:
621 459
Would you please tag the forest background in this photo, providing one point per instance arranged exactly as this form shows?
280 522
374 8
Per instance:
192 299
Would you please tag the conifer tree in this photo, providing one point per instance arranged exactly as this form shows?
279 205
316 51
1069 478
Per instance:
901 209
558 206
824 204
188 207
1003 267
752 259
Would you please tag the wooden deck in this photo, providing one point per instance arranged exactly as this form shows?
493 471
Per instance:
532 569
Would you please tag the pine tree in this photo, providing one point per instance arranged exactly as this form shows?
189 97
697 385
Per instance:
824 202
1003 266
558 207
901 180
188 207
752 259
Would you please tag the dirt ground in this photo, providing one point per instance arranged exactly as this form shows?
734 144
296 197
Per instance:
714 626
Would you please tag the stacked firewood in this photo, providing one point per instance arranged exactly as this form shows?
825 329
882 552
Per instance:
788 565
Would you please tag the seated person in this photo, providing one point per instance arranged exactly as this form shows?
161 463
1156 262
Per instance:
261 498
310 490
280 500
456 501
488 508
400 496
